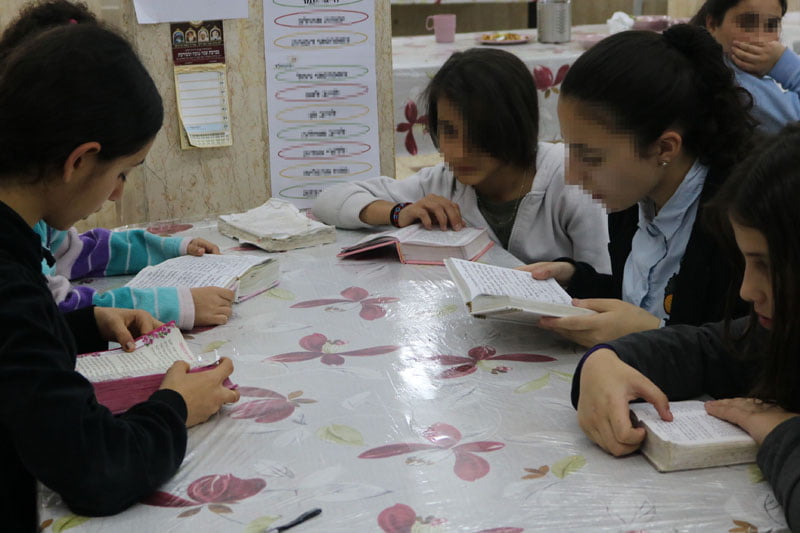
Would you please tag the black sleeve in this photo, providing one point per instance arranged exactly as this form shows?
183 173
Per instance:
84 328
685 361
100 464
779 460
588 283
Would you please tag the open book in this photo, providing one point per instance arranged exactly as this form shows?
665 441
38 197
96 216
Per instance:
123 379
694 439
417 245
507 294
247 275
276 226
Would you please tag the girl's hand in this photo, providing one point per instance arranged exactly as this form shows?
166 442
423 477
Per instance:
432 210
614 319
203 392
212 305
754 416
201 246
124 325
607 385
560 270
756 58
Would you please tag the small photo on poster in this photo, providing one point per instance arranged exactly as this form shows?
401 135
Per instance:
197 43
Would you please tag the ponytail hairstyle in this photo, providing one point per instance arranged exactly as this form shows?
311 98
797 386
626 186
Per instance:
643 83
716 9
762 195
43 15
67 86
496 95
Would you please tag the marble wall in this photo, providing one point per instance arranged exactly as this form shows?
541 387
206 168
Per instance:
177 183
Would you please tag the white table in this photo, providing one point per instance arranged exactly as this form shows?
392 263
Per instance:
347 357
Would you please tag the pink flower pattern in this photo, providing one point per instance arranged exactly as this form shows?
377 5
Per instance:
318 345
543 78
468 466
371 308
401 518
468 365
216 491
272 408
167 229
408 127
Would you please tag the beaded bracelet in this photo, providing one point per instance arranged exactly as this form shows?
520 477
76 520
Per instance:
394 214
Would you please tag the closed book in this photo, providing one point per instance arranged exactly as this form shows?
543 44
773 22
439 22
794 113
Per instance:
417 245
693 439
510 295
247 275
123 379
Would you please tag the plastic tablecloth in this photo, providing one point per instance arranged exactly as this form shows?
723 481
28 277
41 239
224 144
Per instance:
370 393
417 58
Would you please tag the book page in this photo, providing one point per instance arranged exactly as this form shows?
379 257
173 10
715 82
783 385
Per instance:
437 237
154 354
691 424
209 270
276 219
498 281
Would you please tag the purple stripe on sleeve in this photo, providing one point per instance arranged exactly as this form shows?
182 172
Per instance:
95 254
78 297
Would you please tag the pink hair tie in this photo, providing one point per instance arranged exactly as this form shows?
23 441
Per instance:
73 21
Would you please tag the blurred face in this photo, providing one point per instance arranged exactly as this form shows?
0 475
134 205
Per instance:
751 21
602 162
470 165
97 182
757 282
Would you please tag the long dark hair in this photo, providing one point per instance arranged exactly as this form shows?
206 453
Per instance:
643 83
67 86
716 9
496 95
43 15
762 195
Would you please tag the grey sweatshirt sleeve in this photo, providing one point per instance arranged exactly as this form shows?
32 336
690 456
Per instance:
779 460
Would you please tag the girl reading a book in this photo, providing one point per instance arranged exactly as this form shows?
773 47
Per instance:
100 252
81 110
483 116
653 124
749 32
753 361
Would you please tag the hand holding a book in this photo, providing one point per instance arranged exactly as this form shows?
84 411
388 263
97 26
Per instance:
212 305
430 210
200 246
124 325
613 320
560 270
203 392
756 417
607 385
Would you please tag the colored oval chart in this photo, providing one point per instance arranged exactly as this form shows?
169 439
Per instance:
324 132
327 18
313 3
322 92
323 73
339 150
322 113
322 170
314 40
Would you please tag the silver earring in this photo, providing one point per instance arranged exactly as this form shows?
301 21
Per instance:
662 164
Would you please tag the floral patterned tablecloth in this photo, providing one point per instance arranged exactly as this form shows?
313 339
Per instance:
369 392
417 58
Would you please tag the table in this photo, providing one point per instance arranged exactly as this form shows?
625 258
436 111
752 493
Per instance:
417 58
367 391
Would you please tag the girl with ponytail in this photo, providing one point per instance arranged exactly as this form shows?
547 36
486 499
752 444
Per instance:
749 32
653 124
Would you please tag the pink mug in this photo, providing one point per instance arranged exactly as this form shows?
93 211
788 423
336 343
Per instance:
443 26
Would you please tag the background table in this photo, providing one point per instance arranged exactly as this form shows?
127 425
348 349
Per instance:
369 392
416 59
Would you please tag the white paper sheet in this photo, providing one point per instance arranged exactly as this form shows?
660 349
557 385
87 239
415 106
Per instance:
321 95
156 11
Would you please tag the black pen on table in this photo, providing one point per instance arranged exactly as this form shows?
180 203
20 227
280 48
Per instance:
308 515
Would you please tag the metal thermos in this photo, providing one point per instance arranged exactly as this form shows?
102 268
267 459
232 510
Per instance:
554 20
